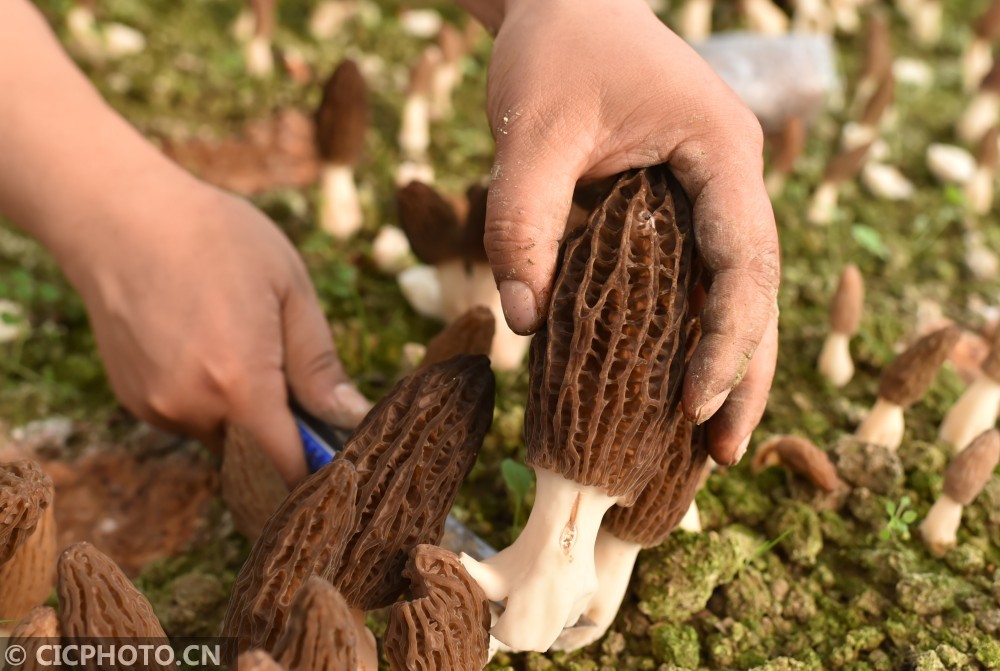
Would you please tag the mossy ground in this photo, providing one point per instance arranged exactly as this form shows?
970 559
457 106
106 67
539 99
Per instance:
831 593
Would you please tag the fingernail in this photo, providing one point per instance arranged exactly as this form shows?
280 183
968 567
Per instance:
741 450
351 405
712 406
519 305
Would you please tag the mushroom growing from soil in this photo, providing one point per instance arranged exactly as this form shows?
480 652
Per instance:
27 538
878 61
341 120
448 72
787 149
965 478
976 410
846 307
97 600
251 486
660 508
445 625
799 456
903 383
320 634
605 376
981 113
841 168
694 23
979 188
978 57
415 128
259 59
355 520
449 239
39 627
763 16
471 333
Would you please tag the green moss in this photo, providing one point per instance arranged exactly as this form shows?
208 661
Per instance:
676 644
798 526
929 593
857 641
987 652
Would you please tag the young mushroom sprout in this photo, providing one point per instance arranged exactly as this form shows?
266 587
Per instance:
27 538
978 57
354 521
841 168
835 363
259 59
789 146
320 633
981 114
965 478
341 120
979 189
415 133
448 73
445 626
976 410
605 375
903 383
877 65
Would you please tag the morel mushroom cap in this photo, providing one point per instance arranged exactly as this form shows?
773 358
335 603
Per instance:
27 538
848 301
878 49
257 660
987 150
302 539
880 102
846 164
801 457
97 600
320 634
472 333
991 364
40 627
446 625
969 472
435 230
342 116
607 367
987 26
907 378
411 453
251 486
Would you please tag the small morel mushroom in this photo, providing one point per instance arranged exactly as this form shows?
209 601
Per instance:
448 73
981 114
965 478
355 520
835 363
800 456
660 508
694 23
39 627
251 486
341 120
605 376
788 147
97 600
866 130
415 131
258 55
877 65
841 168
763 16
976 410
472 333
813 16
27 538
925 22
978 56
979 189
257 660
445 626
321 632
903 383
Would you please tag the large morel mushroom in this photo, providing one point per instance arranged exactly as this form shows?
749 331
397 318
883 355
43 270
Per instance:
605 378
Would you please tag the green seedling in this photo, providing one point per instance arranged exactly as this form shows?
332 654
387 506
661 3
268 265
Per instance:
519 479
764 548
900 519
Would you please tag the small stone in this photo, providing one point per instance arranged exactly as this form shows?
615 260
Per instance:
987 651
929 593
871 466
965 559
800 525
927 661
953 659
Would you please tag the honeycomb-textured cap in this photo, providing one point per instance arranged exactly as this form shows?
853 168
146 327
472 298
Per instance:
40 622
847 304
97 600
987 151
606 369
445 627
471 333
908 377
791 145
25 495
257 660
320 633
430 223
304 537
412 453
991 364
342 116
969 472
251 485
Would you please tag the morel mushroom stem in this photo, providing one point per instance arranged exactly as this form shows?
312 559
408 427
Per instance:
884 425
259 59
691 520
695 21
981 114
554 556
977 409
763 16
939 530
979 189
925 23
835 362
415 131
341 207
812 16
976 62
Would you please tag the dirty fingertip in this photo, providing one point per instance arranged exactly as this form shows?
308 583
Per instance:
520 306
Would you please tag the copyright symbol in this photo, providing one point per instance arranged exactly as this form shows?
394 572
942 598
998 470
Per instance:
14 655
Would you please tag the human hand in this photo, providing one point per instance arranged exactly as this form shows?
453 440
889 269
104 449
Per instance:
205 317
582 91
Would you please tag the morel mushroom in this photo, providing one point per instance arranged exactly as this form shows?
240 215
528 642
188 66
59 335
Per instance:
841 168
925 22
981 114
978 56
251 486
97 600
450 239
445 626
763 16
878 60
321 633
903 383
39 627
979 189
472 333
660 508
950 164
389 491
259 59
27 538
341 120
257 660
605 376
694 23
415 131
965 478
835 363
976 410
448 73
800 456
788 147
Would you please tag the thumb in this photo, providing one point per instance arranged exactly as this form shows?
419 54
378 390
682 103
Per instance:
313 370
529 202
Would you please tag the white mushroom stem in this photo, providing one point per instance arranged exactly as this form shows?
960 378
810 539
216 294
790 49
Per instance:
939 529
925 24
883 426
340 213
391 250
979 189
765 17
446 77
615 558
823 203
422 290
691 520
835 363
845 15
974 412
979 116
259 59
329 15
812 16
415 131
976 62
695 21
886 182
367 648
548 576
418 170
